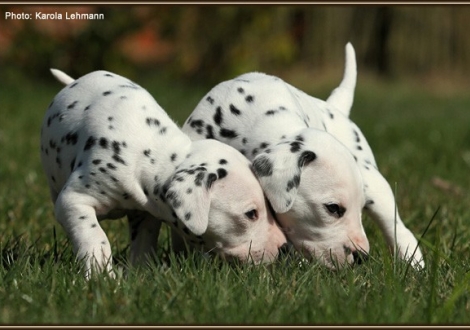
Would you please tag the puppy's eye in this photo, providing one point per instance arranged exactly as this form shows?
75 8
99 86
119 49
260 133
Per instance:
252 215
335 209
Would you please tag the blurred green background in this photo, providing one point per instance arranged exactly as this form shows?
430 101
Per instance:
209 43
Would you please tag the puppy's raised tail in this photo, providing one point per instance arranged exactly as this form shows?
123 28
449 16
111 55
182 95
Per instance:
342 97
62 77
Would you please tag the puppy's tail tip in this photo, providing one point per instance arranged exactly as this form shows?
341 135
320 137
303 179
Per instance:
342 97
61 76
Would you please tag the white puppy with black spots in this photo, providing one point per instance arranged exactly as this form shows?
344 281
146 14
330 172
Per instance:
313 162
109 150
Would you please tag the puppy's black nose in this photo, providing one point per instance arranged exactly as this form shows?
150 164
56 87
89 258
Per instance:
360 257
284 249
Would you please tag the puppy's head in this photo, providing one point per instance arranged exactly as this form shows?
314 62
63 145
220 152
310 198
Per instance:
218 199
316 190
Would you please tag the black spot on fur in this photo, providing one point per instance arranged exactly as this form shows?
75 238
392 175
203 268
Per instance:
71 138
293 183
173 157
210 100
234 110
189 190
103 143
116 147
249 98
87 107
295 146
356 134
197 123
244 140
72 105
209 132
262 166
96 161
152 121
199 178
218 116
179 178
229 134
52 144
222 162
359 148
210 180
306 157
240 90
271 112
222 173
187 216
119 159
107 93
264 145
147 152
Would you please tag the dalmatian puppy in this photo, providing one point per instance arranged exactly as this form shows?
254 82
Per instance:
109 150
313 162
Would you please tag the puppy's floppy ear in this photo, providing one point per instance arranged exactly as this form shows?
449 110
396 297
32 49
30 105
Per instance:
188 194
279 172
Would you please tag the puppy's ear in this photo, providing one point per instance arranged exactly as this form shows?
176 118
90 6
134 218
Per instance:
279 172
188 194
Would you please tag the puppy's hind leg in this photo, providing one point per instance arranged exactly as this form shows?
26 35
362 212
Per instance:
144 229
381 206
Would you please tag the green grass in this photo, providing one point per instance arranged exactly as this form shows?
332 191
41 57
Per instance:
416 135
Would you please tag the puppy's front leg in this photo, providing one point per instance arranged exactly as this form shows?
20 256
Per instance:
75 212
381 206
